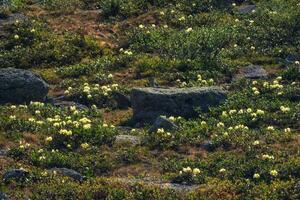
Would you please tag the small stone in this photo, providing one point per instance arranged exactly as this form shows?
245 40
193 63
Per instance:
293 58
251 72
3 152
207 145
246 9
70 173
16 174
134 140
163 122
67 104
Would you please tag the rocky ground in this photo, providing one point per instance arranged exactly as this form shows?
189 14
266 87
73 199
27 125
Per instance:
174 99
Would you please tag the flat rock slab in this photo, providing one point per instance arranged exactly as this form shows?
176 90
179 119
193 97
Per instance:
251 72
15 174
246 9
69 173
150 103
156 183
21 86
131 139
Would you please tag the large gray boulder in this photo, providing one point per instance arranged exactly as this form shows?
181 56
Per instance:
149 103
21 86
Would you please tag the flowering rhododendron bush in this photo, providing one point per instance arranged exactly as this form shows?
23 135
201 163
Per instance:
83 142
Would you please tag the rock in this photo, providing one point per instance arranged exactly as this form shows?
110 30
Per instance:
251 72
8 21
131 139
21 86
149 103
293 58
246 9
70 173
3 152
16 174
67 104
122 100
163 122
207 145
3 196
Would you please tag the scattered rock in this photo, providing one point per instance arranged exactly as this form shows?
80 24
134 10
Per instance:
246 9
251 72
163 122
70 173
156 183
122 100
21 86
67 104
207 145
3 152
16 174
3 196
131 139
9 20
149 103
293 58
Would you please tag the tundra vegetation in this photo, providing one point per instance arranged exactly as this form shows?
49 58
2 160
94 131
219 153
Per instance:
82 142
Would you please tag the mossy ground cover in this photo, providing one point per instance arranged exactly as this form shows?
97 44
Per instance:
253 137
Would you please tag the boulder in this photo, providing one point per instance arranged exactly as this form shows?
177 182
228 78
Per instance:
21 86
70 173
16 174
246 9
149 103
163 122
251 72
7 21
122 100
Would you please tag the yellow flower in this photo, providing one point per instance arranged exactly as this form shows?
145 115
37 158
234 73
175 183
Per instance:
222 170
187 170
256 176
85 145
87 126
285 109
49 139
287 130
188 30
270 128
12 117
273 173
196 171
